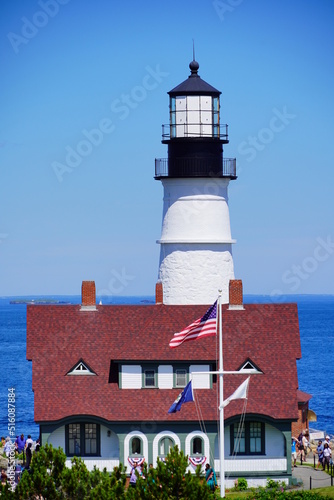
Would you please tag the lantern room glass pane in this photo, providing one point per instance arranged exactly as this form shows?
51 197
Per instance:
206 116
180 115
193 116
172 117
215 107
172 105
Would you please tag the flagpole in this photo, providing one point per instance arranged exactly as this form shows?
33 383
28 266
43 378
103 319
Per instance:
221 399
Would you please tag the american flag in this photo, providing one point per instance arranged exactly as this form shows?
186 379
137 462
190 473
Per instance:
205 326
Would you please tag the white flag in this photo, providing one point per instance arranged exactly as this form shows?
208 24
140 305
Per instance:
240 393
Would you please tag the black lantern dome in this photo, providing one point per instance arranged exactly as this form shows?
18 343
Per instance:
194 85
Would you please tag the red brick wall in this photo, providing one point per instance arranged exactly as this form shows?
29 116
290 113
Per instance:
159 295
88 294
302 423
235 293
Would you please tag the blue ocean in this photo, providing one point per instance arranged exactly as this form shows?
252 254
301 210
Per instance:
316 320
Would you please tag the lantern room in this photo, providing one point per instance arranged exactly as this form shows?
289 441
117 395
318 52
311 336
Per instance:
194 135
194 115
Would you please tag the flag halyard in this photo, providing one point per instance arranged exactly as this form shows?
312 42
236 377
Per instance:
205 326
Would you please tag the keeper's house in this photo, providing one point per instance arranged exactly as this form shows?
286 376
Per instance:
104 378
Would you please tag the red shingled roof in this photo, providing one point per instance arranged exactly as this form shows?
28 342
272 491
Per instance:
59 336
303 397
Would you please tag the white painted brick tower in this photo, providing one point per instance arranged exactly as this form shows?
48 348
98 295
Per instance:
196 244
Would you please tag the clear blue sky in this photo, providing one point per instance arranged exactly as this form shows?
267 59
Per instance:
67 66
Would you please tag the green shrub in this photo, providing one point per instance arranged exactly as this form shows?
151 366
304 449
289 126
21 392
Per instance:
264 494
241 484
275 485
49 478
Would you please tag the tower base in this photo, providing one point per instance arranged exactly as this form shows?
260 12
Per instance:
193 273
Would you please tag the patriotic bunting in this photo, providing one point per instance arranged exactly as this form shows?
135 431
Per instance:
134 461
195 461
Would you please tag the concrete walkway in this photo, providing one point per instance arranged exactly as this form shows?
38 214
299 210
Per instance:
319 479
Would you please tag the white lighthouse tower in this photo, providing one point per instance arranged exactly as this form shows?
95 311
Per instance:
196 244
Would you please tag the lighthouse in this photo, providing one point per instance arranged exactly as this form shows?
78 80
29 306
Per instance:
196 243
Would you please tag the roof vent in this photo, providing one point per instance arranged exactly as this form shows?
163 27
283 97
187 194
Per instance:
88 296
235 295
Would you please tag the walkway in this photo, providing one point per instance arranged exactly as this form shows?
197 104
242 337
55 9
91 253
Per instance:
319 479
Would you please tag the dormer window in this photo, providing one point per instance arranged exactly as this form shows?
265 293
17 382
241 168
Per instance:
149 376
181 378
249 365
81 368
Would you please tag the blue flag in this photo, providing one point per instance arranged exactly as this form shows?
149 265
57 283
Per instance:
184 397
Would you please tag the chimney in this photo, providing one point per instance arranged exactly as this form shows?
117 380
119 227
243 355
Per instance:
88 296
235 295
159 293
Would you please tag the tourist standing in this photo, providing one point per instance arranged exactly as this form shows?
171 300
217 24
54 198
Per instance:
306 443
29 440
28 455
210 477
8 446
20 444
294 441
328 441
320 453
133 475
327 456
301 447
38 445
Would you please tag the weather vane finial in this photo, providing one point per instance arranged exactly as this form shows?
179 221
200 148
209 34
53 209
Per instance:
194 64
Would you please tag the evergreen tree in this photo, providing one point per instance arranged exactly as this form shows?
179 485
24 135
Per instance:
171 481
106 486
75 481
45 475
50 479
